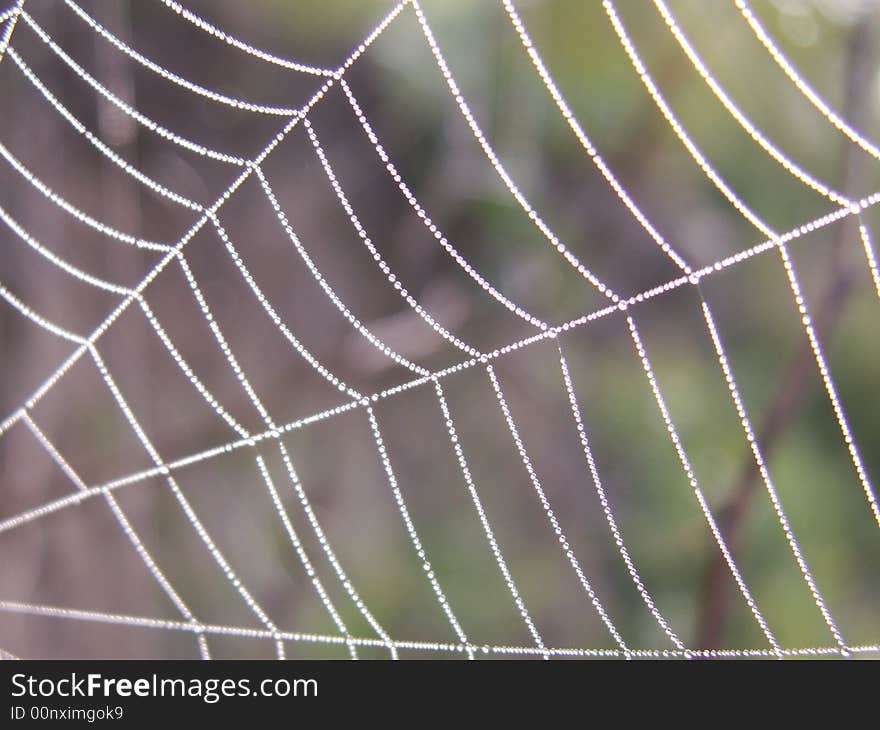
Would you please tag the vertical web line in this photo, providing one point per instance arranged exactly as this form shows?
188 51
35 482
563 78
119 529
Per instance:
762 467
606 505
276 501
119 514
270 424
704 505
772 150
129 531
760 225
484 520
414 537
564 544
88 345
203 534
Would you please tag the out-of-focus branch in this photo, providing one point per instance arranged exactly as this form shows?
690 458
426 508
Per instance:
800 372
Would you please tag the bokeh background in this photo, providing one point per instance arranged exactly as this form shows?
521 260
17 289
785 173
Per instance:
79 557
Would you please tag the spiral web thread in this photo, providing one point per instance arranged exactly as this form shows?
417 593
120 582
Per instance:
270 434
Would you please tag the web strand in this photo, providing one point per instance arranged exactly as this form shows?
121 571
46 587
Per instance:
704 505
419 549
432 227
239 104
130 533
487 649
75 212
246 48
713 176
272 433
325 287
606 505
497 165
585 142
564 544
484 519
800 84
788 263
105 151
10 17
347 406
391 277
130 415
142 119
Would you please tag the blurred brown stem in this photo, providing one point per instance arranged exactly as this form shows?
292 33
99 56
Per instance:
717 589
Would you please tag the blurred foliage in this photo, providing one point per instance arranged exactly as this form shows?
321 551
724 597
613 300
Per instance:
413 113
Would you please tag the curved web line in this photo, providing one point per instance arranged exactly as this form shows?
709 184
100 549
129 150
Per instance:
484 520
788 263
564 544
295 343
240 104
304 558
270 424
135 294
392 278
222 35
774 242
497 165
681 134
432 227
142 119
12 15
75 212
38 319
801 84
95 141
707 512
187 370
331 294
59 262
584 320
756 134
870 255
761 139
607 509
419 548
572 121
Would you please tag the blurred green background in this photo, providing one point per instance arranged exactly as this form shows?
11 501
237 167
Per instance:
79 558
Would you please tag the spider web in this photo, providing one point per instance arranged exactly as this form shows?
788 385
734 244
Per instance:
272 462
